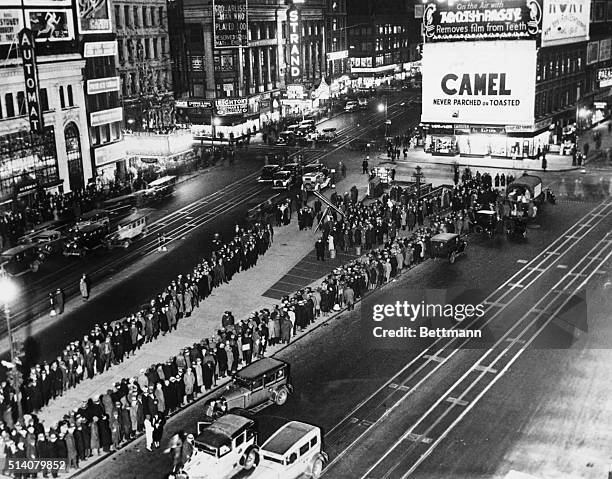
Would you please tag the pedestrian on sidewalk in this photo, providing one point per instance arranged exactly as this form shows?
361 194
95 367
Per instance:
84 287
148 427
365 165
158 428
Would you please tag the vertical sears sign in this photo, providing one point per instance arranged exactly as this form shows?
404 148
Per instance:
30 72
491 83
230 23
295 60
565 21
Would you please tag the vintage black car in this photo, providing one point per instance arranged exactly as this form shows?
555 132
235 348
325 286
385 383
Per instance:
256 386
515 227
448 246
20 260
486 222
267 173
87 238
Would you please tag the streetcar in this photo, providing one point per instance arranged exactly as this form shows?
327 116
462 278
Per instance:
93 216
161 188
129 229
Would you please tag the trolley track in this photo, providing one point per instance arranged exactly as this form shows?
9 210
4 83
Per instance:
173 226
368 414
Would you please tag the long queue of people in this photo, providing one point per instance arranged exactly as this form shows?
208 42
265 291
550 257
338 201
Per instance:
114 342
141 404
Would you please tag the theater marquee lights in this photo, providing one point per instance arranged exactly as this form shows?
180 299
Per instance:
295 60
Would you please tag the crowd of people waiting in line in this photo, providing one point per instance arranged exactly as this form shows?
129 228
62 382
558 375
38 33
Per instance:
114 342
141 404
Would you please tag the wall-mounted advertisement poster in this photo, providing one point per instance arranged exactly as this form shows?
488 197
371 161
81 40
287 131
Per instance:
486 20
50 25
490 83
230 23
592 53
565 21
11 23
94 16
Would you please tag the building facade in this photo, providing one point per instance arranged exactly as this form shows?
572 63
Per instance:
383 36
336 46
56 157
511 89
143 59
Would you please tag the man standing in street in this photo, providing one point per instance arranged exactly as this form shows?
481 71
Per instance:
84 287
320 249
364 165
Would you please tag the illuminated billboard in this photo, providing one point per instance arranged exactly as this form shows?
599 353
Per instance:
486 20
490 83
565 21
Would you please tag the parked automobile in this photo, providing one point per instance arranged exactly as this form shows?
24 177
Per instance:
448 245
87 238
283 180
350 106
515 227
20 260
129 229
259 384
93 216
316 176
267 173
286 138
292 452
329 135
47 241
486 222
222 449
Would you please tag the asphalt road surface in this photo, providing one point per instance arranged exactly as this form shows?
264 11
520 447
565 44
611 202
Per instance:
211 203
345 386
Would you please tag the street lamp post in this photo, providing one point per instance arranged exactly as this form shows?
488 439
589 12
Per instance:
8 292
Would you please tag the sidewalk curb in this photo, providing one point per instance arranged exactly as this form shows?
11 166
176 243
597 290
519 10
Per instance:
220 385
493 167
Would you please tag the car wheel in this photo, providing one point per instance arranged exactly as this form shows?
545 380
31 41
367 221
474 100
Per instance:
34 266
281 396
452 258
317 468
250 460
126 244
478 229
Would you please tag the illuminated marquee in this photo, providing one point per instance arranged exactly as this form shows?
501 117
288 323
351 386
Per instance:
295 60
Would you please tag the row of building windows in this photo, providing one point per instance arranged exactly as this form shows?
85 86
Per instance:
107 133
309 28
10 109
139 17
557 99
555 65
152 48
262 31
135 83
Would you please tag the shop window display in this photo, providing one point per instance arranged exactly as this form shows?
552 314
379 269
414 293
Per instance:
27 157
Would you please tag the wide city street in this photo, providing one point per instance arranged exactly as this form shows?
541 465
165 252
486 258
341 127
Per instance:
291 239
